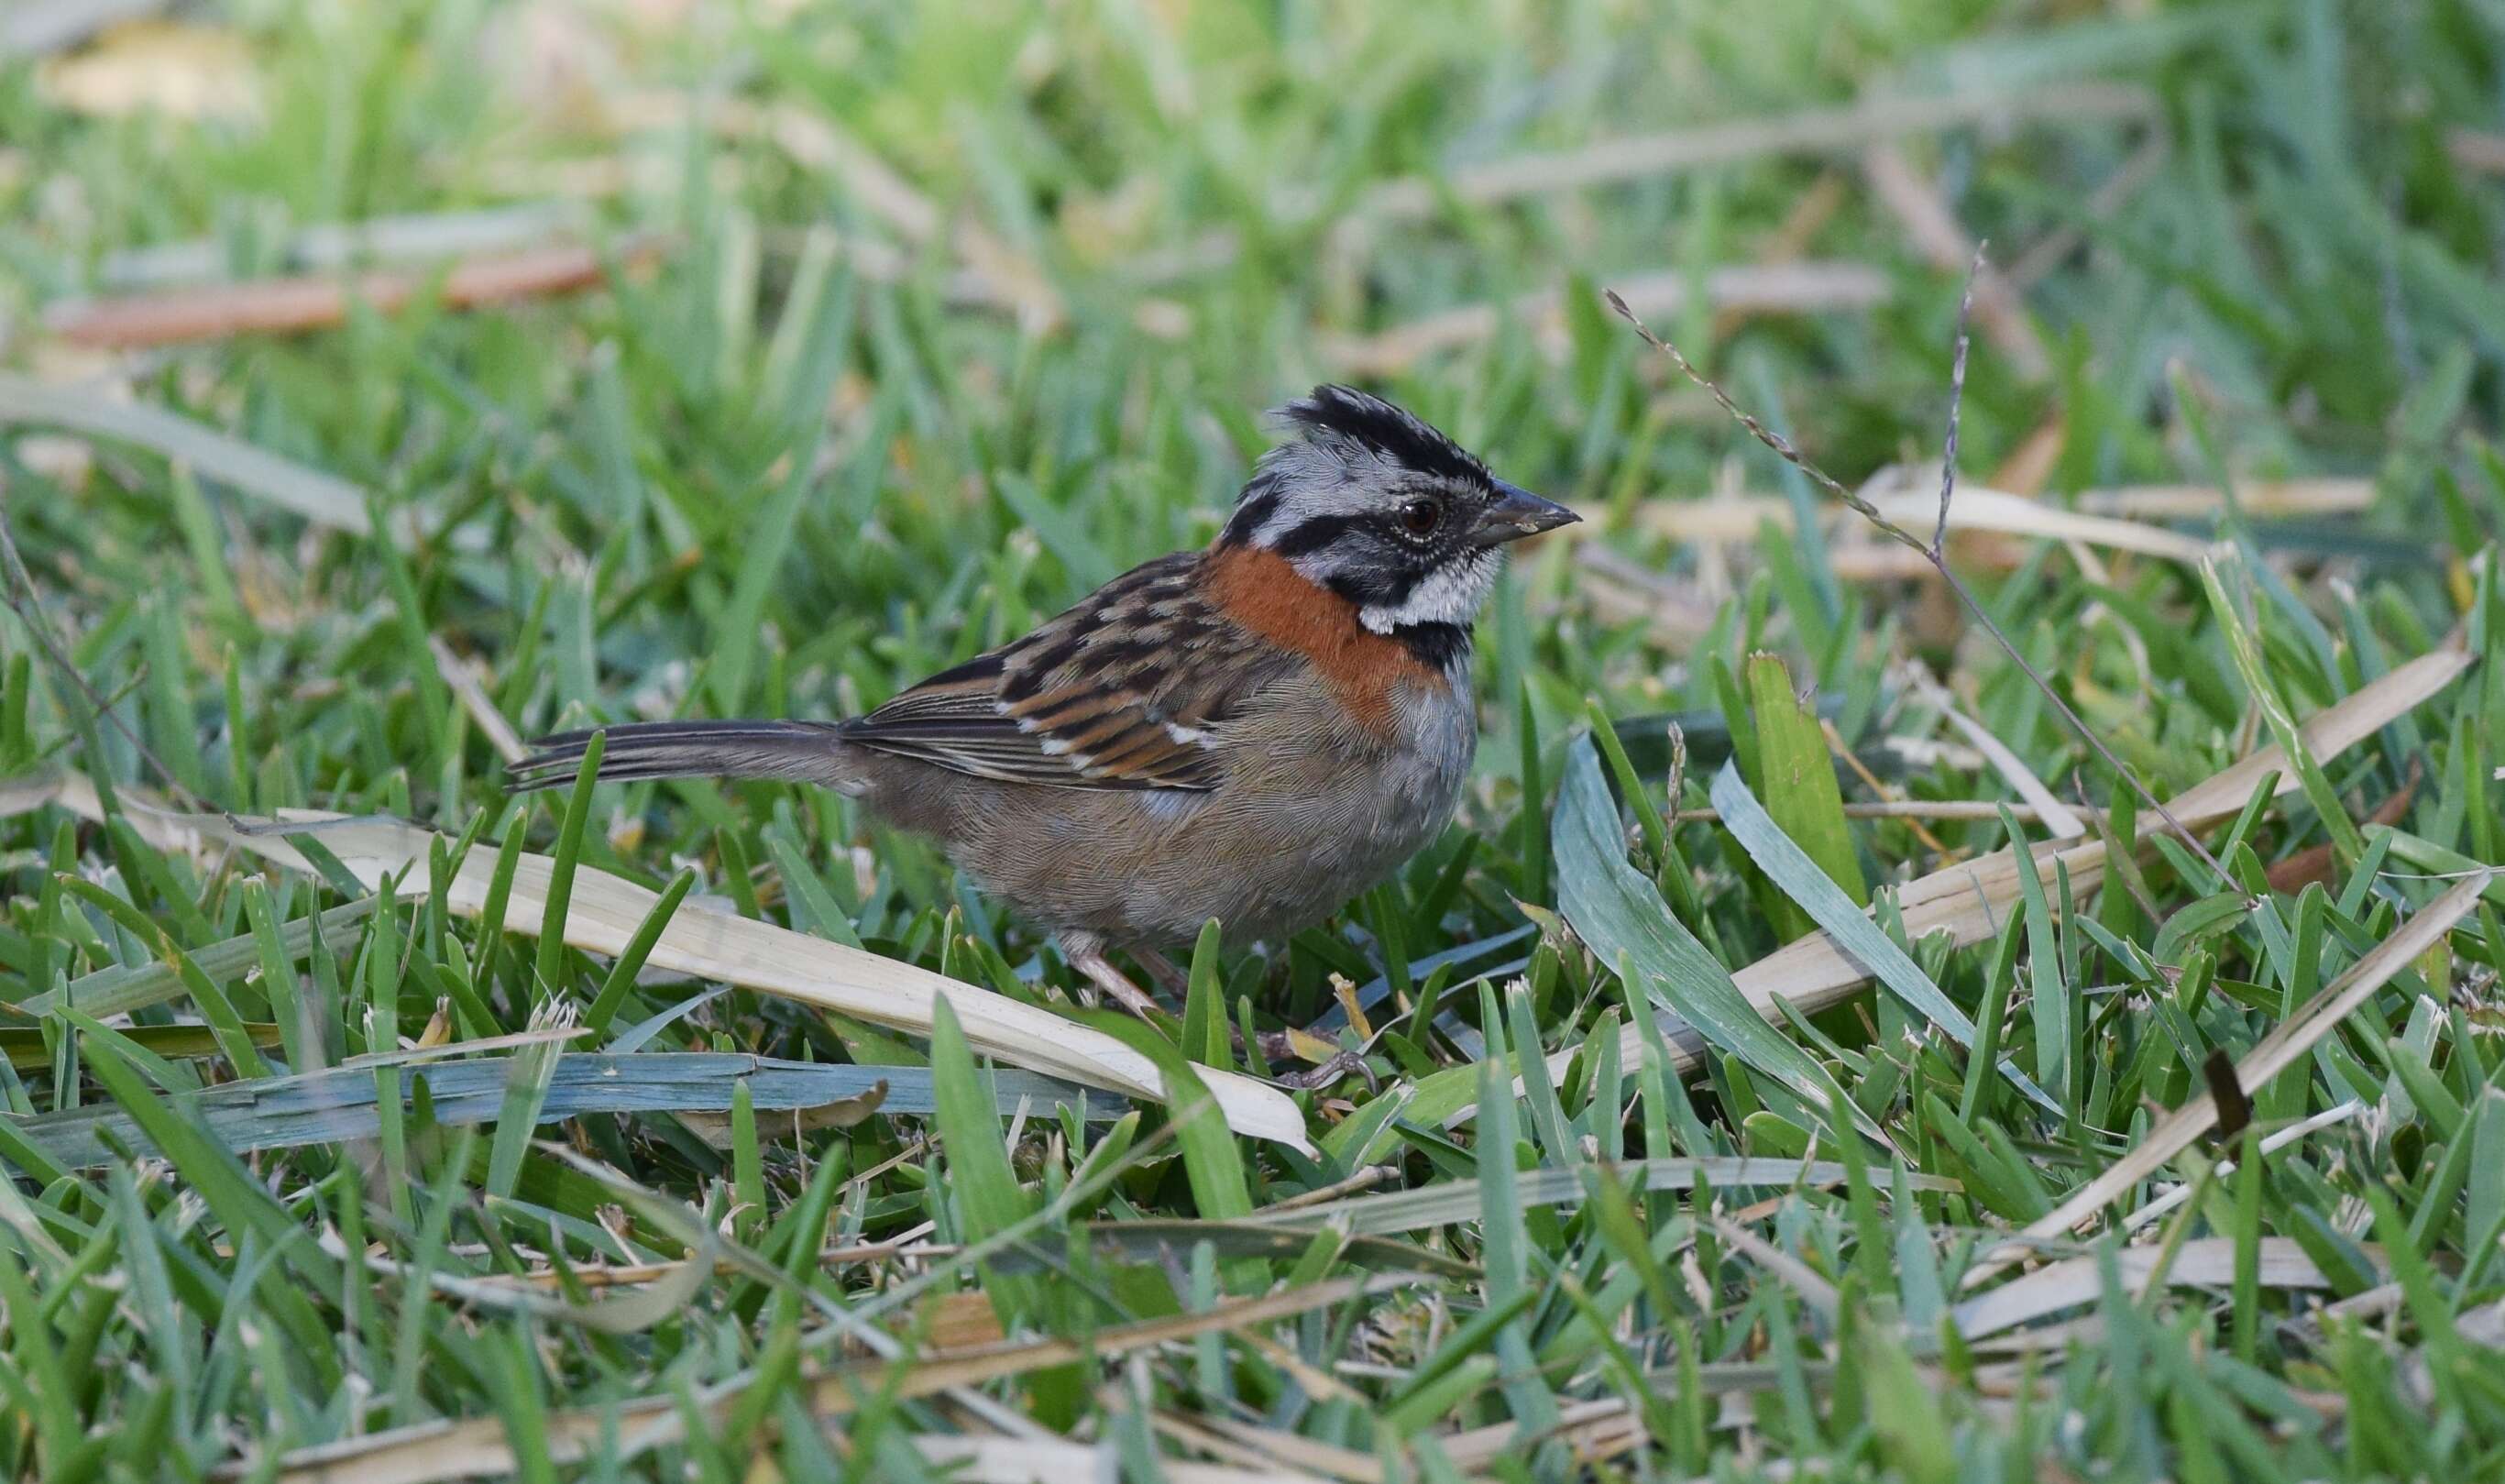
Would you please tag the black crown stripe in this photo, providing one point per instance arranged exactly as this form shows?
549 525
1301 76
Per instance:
1394 434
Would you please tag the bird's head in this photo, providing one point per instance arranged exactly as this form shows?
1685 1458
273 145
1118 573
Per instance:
1371 502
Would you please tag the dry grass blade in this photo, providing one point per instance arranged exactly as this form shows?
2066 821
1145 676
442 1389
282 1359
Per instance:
663 1295
2271 1144
1453 1201
316 496
1784 288
2012 768
463 677
606 910
2117 517
1580 1422
2333 731
423 236
2290 1041
1841 130
2075 1281
1740 518
430 1451
1805 1283
1896 809
1276 1447
1922 209
2257 497
1041 1461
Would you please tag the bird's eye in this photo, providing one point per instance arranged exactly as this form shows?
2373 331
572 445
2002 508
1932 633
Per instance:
1421 518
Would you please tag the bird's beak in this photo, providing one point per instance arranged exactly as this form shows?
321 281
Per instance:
1516 512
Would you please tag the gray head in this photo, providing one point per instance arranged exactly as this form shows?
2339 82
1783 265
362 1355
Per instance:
1385 510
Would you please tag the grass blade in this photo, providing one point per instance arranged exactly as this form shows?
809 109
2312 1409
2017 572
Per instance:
1625 922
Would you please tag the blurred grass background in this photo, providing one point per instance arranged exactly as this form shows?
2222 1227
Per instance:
764 358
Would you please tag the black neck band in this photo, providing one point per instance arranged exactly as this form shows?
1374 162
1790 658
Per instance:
1437 646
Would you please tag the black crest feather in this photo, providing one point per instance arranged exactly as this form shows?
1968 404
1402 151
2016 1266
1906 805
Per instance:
1390 432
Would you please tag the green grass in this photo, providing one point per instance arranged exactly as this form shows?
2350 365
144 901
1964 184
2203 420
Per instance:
805 460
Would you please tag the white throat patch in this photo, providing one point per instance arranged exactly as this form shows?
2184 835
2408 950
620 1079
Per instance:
1449 594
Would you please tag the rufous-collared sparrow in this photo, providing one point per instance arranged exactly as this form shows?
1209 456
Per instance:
1256 731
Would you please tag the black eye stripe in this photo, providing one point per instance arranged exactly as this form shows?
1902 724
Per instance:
1250 515
1372 588
1313 535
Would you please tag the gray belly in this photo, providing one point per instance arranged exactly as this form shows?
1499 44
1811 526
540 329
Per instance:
1308 818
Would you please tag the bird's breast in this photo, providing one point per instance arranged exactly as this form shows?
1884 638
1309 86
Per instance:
1368 675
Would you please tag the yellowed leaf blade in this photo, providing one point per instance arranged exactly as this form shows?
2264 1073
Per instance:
605 911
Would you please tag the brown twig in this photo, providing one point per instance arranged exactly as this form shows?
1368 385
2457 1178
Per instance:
1936 551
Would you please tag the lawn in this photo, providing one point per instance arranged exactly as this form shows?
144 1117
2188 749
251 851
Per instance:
2017 1002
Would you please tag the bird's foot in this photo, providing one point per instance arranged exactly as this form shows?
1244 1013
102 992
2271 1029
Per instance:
1283 1045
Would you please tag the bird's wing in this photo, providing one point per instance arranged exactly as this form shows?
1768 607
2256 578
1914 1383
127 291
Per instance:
1129 689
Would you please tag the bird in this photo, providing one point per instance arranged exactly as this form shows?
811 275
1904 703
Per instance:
1255 731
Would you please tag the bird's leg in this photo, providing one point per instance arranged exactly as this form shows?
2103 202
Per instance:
1087 956
1172 980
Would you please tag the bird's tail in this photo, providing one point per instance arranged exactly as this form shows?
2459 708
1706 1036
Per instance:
807 751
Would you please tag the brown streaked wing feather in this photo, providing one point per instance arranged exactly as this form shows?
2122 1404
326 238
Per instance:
1122 692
